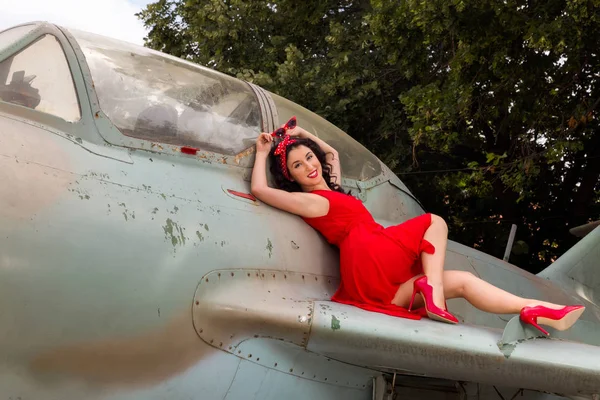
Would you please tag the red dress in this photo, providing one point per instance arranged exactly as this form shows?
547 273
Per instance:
374 261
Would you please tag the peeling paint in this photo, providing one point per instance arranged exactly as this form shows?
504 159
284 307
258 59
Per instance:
508 348
269 247
155 210
335 323
174 232
200 236
125 215
163 196
98 175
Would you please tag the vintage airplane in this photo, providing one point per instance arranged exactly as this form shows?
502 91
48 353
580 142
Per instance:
134 263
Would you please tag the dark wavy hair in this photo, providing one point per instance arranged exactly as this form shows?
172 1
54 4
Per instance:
283 183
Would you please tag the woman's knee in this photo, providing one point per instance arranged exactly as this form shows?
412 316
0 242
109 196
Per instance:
439 222
457 281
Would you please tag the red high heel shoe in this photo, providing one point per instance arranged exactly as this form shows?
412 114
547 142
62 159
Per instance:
561 319
421 311
433 311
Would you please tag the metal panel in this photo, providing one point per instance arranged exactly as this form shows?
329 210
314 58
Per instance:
294 360
264 316
578 270
255 383
459 352
231 306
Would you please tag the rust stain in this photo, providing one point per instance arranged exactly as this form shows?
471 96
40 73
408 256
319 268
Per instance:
134 362
243 154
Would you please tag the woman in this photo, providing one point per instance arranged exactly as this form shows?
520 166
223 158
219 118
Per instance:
382 269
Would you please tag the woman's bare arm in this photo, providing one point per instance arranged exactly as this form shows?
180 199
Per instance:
331 154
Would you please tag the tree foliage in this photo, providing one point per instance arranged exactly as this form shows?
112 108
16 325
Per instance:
487 110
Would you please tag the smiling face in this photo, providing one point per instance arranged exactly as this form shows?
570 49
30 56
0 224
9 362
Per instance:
304 167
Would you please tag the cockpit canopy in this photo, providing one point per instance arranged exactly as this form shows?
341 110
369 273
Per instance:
152 96
149 95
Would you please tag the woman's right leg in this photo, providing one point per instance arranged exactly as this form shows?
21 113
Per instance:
481 294
485 296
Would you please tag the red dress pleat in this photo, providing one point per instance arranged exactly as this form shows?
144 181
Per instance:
374 261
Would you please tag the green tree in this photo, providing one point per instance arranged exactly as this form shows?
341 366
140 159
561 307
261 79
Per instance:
488 110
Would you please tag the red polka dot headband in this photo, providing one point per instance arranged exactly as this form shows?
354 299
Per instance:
281 149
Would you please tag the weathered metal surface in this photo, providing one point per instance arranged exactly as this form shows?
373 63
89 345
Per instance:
253 382
258 315
577 270
294 360
460 352
231 306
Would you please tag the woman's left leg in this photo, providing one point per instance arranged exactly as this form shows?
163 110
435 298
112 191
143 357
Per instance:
433 264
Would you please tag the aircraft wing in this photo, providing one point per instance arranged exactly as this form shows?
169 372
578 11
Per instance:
459 352
236 308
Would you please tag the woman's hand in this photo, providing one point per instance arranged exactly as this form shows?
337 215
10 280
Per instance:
263 143
297 131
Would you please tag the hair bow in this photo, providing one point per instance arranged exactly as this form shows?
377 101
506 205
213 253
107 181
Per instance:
281 151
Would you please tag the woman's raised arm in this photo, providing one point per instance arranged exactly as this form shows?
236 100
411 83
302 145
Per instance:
331 154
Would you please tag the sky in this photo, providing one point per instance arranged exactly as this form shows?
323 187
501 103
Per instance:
114 18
